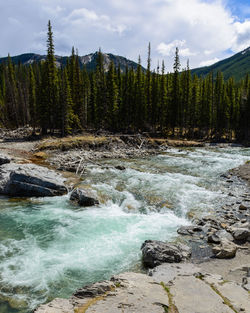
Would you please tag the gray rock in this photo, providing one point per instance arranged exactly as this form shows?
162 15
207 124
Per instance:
241 233
210 218
58 305
94 290
219 236
167 273
120 168
125 293
242 207
192 295
246 283
188 230
226 250
30 180
83 197
157 252
4 159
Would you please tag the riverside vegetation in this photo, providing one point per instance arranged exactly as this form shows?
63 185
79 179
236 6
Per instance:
70 99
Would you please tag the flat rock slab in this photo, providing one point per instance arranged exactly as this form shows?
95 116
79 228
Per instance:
237 296
166 273
138 294
233 292
243 171
125 293
58 305
192 295
30 180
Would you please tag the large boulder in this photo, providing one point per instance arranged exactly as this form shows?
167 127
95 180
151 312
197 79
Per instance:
156 252
241 233
226 250
30 180
83 197
218 236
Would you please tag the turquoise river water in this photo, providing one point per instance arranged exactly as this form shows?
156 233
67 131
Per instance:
50 247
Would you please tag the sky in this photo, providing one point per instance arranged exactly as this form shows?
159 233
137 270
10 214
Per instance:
205 31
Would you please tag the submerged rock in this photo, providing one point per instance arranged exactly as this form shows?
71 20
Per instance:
4 159
243 207
30 180
83 197
120 168
156 252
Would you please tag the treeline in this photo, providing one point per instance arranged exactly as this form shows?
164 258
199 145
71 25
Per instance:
67 99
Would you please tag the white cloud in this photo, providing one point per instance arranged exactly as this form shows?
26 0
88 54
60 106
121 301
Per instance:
186 52
201 29
82 16
168 49
241 36
207 52
209 62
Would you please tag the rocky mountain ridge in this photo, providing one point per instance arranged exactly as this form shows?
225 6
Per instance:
237 66
89 60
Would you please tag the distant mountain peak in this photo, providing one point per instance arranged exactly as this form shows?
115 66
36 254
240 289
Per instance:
89 60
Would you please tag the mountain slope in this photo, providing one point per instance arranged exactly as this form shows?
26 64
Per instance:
89 60
237 66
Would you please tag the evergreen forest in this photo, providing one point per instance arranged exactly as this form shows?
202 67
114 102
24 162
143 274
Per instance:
68 99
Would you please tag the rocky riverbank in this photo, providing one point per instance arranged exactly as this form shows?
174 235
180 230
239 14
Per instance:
221 238
180 282
182 288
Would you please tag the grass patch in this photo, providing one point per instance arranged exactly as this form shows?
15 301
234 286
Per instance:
85 307
248 162
225 300
171 308
69 143
92 301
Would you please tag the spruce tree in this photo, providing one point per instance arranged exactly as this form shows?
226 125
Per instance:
32 99
112 98
175 114
52 88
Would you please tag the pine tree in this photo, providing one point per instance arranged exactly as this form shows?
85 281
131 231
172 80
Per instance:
162 111
32 99
92 100
52 88
175 114
66 110
139 116
11 95
112 98
148 88
101 116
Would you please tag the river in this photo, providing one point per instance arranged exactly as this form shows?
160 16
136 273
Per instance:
50 247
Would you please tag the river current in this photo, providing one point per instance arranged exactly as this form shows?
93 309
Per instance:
50 247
